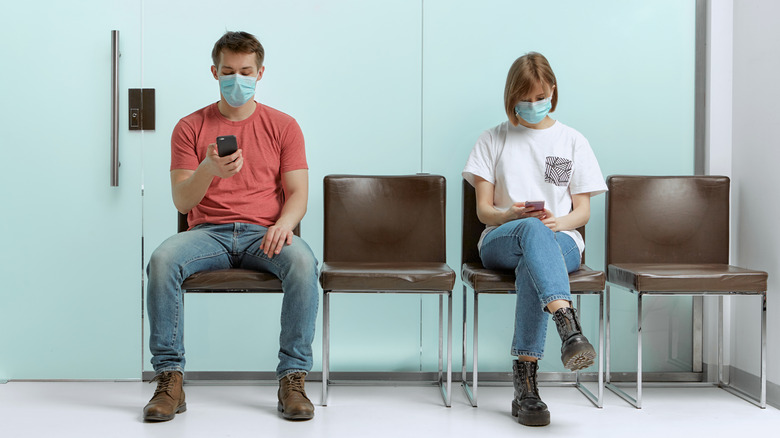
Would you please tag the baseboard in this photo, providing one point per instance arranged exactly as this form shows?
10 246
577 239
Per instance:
400 378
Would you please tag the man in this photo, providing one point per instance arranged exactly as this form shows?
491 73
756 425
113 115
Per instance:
242 209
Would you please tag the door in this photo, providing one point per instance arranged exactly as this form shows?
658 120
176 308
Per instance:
71 254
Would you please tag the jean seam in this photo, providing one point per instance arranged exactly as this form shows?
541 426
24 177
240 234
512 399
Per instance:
264 257
516 352
162 370
290 371
175 336
552 298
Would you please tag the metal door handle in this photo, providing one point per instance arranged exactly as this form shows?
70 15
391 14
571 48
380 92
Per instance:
115 108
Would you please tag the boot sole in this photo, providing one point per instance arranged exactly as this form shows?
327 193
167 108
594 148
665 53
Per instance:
583 357
301 416
160 418
539 418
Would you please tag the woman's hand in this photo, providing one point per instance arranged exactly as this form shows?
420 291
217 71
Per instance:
520 211
550 220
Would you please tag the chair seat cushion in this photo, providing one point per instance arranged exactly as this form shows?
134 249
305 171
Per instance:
482 279
232 280
677 277
366 277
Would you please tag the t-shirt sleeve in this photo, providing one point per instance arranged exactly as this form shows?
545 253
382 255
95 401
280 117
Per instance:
293 150
183 151
481 161
586 176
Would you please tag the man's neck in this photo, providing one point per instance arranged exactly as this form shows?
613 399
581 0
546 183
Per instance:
237 114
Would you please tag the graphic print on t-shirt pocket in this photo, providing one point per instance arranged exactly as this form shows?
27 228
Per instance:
557 171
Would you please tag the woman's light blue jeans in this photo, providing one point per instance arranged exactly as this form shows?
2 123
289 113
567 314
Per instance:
209 247
542 260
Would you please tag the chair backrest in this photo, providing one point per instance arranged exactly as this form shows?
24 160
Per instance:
472 228
384 218
184 226
667 219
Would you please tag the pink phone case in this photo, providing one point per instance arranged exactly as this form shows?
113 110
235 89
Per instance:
535 205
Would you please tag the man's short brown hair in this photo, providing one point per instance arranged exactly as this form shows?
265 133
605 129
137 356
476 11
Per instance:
239 42
527 71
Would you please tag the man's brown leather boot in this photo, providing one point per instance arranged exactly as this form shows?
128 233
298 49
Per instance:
293 403
168 399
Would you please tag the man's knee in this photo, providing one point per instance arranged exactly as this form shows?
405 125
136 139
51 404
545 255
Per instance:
301 264
159 261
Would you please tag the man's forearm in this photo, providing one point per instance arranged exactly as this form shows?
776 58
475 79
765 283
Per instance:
293 210
188 192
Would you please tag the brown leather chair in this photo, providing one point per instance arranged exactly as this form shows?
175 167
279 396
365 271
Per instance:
230 280
481 280
669 236
386 234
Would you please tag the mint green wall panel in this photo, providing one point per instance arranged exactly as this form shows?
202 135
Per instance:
69 252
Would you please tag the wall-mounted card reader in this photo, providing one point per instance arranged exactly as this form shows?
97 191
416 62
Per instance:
141 109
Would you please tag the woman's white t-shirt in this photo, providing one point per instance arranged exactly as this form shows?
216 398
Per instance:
525 164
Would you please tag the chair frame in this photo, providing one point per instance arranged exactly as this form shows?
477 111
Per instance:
636 401
471 388
445 386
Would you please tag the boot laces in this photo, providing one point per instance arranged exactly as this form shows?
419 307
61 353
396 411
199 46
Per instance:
164 382
568 321
530 382
295 383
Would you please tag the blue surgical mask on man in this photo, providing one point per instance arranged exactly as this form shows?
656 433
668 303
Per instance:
533 112
237 89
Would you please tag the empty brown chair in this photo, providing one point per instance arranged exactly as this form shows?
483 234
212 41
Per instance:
386 234
669 236
585 281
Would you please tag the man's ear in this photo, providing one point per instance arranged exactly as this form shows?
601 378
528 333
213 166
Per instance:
214 72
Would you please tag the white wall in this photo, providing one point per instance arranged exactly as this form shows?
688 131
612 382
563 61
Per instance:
755 177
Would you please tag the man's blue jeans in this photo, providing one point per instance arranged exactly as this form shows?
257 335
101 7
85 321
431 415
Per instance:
209 247
542 260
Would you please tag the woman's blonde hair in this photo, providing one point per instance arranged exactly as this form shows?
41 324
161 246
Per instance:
525 73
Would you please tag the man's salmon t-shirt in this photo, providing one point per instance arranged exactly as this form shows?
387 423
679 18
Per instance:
271 143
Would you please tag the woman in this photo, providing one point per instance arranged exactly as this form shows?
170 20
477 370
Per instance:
527 159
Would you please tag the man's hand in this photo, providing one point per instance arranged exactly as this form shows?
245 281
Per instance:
223 167
275 238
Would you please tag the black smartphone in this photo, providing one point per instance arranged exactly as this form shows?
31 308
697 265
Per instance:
226 145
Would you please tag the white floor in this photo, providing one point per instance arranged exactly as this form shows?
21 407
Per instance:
113 409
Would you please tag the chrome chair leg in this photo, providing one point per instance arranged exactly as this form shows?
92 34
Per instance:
325 347
639 352
446 389
762 397
471 391
601 351
607 376
636 402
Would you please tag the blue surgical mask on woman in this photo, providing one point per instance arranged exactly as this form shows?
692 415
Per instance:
533 112
237 89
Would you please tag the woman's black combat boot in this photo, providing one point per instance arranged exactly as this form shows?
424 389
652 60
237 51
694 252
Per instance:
527 407
576 351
